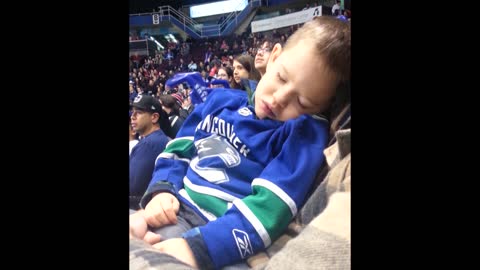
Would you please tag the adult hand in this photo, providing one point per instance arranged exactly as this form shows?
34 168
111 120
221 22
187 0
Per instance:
178 248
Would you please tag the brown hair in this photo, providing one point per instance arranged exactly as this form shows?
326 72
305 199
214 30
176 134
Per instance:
248 63
229 72
269 41
332 39
170 102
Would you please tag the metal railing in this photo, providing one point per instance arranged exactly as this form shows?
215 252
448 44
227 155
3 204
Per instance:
197 30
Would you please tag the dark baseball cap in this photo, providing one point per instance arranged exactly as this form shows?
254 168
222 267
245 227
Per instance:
147 103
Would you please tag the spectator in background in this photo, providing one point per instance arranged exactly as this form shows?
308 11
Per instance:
204 76
216 46
169 55
216 65
243 46
262 56
244 68
170 73
185 49
159 90
226 73
139 89
132 92
171 104
192 66
346 15
170 66
235 48
187 106
336 8
151 88
148 119
208 56
135 59
200 66
182 67
224 47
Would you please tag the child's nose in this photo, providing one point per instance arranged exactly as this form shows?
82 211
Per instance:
280 98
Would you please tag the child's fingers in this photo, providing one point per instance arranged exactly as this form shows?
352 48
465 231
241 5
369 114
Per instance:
152 238
171 216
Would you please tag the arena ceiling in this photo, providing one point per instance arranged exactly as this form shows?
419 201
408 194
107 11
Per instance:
141 6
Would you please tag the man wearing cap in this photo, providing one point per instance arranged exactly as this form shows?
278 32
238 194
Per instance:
147 117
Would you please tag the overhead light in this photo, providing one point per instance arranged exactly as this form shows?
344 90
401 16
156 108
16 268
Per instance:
173 38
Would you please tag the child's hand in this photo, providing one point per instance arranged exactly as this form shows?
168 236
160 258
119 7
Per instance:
162 210
178 248
138 225
152 238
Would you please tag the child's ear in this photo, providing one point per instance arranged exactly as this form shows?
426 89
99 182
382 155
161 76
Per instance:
276 51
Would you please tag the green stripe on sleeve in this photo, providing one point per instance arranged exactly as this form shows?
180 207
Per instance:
270 210
182 147
212 204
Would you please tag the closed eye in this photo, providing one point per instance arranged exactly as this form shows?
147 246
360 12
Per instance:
280 78
303 106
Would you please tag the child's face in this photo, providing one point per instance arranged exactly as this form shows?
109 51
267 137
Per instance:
295 83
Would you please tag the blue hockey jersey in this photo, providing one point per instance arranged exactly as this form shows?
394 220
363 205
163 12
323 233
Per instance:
247 176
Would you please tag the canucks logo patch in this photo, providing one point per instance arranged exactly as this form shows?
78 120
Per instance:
244 111
215 155
217 146
243 243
